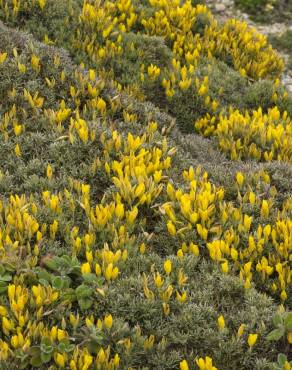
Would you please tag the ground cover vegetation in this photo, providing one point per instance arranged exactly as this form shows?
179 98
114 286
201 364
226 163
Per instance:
267 10
146 194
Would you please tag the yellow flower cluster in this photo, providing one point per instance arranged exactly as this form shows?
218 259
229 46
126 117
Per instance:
202 363
104 19
177 23
23 328
259 249
20 233
249 50
259 135
171 286
100 34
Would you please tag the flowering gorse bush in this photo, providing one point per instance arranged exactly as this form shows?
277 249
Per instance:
117 250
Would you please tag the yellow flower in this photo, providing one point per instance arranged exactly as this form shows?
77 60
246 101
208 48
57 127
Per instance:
239 179
3 311
221 322
35 63
3 57
14 341
119 211
251 340
171 228
184 365
142 248
167 267
89 256
283 295
240 330
60 359
180 253
224 267
158 280
108 321
21 67
194 249
11 291
205 364
97 269
4 350
6 325
289 337
101 105
74 320
181 297
140 190
252 197
54 333
17 129
61 334
265 209
111 272
85 268
131 216
234 254
49 171
92 75
42 4
17 150
247 283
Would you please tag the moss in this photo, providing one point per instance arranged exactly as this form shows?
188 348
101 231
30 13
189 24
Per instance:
266 10
283 42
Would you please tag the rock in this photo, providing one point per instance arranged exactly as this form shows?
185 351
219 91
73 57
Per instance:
227 3
287 81
220 8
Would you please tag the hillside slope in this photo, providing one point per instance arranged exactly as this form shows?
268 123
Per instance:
146 193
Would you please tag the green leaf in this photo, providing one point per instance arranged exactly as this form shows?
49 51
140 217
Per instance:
51 264
3 289
44 282
2 270
6 277
46 346
57 282
65 261
45 357
69 348
281 359
34 351
83 291
69 295
288 321
43 274
66 282
90 278
36 361
24 362
85 303
46 349
62 347
9 267
276 334
277 320
46 341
